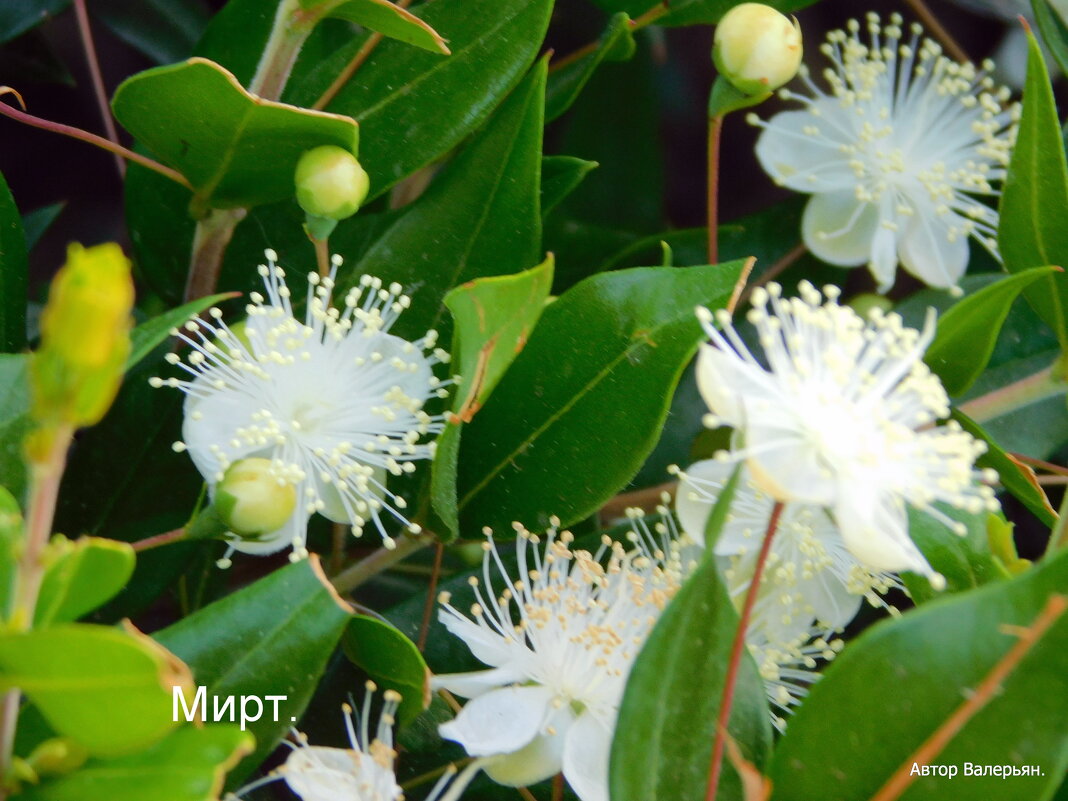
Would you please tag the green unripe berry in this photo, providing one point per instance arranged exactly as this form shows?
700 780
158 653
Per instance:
330 183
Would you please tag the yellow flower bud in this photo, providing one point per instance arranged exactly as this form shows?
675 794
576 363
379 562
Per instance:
330 182
252 499
85 337
756 48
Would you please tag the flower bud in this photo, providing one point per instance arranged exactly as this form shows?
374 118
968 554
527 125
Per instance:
252 499
330 183
756 48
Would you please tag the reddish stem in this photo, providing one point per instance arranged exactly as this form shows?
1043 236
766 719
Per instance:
166 538
737 648
431 593
86 34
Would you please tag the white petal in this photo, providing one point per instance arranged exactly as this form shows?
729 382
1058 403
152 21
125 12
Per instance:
318 773
476 683
839 229
832 603
786 465
801 160
212 420
874 526
694 502
333 508
927 252
537 761
488 646
501 721
586 753
883 262
723 379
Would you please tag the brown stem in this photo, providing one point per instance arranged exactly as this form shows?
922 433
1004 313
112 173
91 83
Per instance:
431 596
976 700
1013 396
737 648
155 541
77 133
739 285
292 26
86 34
777 269
1040 463
213 234
645 498
715 131
930 21
379 560
322 256
525 794
558 787
357 61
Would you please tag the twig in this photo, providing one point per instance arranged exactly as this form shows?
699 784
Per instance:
347 580
930 21
155 541
213 234
322 256
1013 396
643 498
526 794
1033 462
558 787
976 700
77 133
737 648
431 595
715 131
86 34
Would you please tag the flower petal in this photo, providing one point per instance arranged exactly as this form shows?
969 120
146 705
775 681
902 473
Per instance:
477 682
538 760
500 721
839 229
586 752
926 250
211 421
694 500
488 646
786 464
723 377
874 525
320 772
794 149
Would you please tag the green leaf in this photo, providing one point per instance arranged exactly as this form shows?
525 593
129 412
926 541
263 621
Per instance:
10 548
14 269
234 148
1034 198
389 20
163 30
189 764
1054 31
17 18
438 101
891 688
480 217
392 660
965 560
493 320
667 721
15 420
559 177
693 12
1016 478
145 337
617 344
968 331
74 672
270 638
566 82
36 222
80 576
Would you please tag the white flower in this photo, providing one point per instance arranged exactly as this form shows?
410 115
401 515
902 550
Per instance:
893 155
362 772
333 400
813 576
560 642
843 417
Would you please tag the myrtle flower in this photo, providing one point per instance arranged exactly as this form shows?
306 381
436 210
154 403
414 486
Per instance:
810 573
362 772
843 418
894 155
560 641
334 401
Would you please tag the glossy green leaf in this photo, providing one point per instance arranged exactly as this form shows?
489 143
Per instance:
667 721
74 672
480 216
81 575
967 561
1054 31
617 343
968 331
10 547
389 20
15 420
163 30
1035 198
236 149
270 638
493 320
17 18
14 269
891 688
1018 480
36 222
189 764
559 177
145 337
565 83
693 12
438 101
391 660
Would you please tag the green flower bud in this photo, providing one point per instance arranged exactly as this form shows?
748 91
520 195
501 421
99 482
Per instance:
756 48
252 499
330 183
